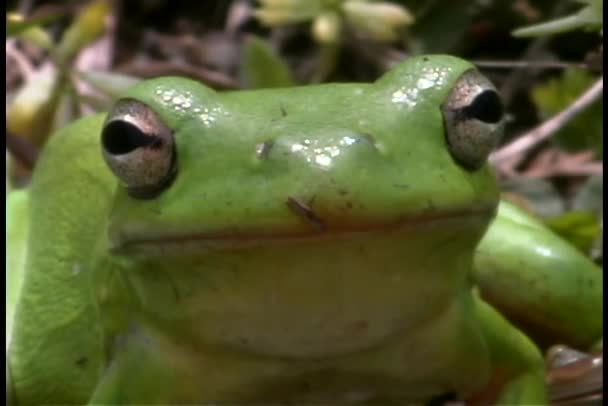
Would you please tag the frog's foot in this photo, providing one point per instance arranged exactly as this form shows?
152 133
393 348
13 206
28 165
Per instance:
525 389
138 372
519 369
574 376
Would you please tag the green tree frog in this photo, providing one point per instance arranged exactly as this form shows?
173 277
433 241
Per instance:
336 243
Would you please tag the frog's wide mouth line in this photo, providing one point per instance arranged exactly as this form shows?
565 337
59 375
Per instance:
246 238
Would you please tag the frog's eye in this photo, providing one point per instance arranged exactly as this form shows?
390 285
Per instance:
139 148
473 118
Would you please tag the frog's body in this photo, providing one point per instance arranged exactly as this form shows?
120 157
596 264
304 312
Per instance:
313 244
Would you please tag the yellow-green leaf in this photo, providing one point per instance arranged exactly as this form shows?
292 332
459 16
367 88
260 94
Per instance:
262 67
87 27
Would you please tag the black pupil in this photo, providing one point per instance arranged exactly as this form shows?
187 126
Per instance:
486 107
121 137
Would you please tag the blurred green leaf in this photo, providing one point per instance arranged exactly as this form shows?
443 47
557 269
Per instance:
443 27
17 23
327 28
274 13
580 228
37 36
88 26
262 67
586 130
32 110
382 21
48 100
67 109
589 18
111 83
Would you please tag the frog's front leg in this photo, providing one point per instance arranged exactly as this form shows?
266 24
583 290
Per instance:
518 368
147 366
540 282
139 371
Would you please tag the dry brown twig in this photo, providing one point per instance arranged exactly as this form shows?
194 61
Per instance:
23 64
555 162
25 152
511 155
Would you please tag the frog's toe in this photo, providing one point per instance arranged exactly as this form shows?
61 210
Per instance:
518 365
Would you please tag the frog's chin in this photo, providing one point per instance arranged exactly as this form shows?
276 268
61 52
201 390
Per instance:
310 295
163 242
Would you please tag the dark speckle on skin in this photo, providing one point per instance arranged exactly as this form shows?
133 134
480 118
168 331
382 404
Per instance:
175 290
262 150
343 192
82 362
283 111
430 204
425 59
349 205
305 210
156 210
358 327
369 138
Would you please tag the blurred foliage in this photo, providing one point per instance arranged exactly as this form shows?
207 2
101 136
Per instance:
591 195
429 32
33 112
49 99
580 228
536 196
262 67
381 21
590 18
16 23
579 221
586 130
110 83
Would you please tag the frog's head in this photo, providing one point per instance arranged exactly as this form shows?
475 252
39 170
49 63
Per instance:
370 189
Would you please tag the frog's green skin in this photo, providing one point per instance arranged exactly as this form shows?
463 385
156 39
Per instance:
315 244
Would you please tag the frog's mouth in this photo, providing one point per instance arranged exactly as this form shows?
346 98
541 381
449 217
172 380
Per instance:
150 242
